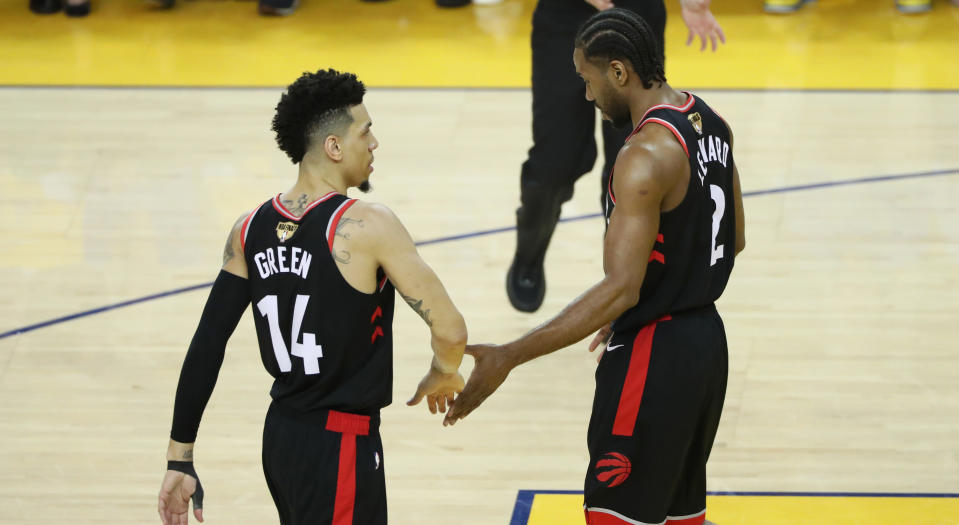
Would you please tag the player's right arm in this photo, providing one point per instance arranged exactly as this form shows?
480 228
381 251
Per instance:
227 301
393 249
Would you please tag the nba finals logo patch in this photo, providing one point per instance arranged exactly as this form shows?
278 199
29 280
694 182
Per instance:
697 121
613 469
285 230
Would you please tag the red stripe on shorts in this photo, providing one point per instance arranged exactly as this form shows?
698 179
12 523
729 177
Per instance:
350 425
632 396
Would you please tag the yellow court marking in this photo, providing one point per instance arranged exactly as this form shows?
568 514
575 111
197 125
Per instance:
840 44
567 509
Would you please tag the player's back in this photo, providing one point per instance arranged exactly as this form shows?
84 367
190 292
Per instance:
694 252
327 344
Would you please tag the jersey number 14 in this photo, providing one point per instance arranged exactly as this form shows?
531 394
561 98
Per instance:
308 350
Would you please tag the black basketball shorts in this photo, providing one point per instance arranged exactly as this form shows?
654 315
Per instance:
659 396
325 469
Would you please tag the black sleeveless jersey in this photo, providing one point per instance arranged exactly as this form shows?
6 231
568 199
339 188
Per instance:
327 345
693 255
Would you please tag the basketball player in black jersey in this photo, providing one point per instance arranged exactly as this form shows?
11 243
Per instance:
675 224
320 270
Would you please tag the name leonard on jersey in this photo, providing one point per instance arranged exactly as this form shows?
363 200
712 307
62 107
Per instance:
272 261
711 148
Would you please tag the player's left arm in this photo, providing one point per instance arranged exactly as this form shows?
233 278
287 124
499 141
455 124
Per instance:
227 301
645 173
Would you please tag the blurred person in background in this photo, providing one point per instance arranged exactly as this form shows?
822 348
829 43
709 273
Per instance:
74 8
564 148
782 7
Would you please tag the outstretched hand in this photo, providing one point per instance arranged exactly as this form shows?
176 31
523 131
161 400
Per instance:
175 493
701 23
489 371
438 389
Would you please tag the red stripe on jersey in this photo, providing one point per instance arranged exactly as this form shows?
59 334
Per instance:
331 229
659 238
609 188
376 333
632 395
698 519
670 127
383 283
377 313
657 256
684 108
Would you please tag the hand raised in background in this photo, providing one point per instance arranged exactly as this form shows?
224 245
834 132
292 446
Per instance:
701 23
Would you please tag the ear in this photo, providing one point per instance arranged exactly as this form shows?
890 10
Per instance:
618 73
332 148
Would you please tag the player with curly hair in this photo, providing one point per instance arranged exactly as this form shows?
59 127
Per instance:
319 268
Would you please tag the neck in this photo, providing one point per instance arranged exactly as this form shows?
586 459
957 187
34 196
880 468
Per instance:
316 181
313 182
643 99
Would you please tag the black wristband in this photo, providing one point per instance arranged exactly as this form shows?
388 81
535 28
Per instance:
187 468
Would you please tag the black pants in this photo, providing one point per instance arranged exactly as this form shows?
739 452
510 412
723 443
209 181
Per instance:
325 469
564 148
659 397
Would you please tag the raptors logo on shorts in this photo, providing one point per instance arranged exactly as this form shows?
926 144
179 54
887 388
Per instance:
613 469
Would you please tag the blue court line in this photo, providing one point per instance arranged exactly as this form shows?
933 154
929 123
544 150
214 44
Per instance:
524 498
481 233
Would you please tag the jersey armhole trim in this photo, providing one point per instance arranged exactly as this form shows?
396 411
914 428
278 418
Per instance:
609 186
670 127
335 220
245 230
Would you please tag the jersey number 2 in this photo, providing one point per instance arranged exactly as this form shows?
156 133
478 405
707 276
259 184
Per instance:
308 350
716 252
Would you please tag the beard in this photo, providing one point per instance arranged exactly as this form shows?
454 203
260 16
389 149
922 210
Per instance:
616 109
365 187
619 115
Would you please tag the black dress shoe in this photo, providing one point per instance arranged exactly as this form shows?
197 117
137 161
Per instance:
525 286
45 7
526 279
77 10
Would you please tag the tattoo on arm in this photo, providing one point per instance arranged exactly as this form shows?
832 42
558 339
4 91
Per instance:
417 306
228 253
343 257
344 222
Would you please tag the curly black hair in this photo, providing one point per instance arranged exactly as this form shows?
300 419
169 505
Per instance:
316 103
619 34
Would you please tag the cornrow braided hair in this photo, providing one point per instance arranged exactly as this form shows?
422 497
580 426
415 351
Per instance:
619 34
